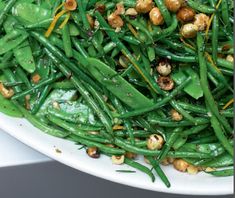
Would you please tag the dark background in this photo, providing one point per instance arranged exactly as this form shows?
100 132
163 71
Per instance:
54 180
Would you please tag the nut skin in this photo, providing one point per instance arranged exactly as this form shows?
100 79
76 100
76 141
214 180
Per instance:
93 152
189 30
165 83
118 160
176 116
156 17
173 5
201 21
91 21
185 14
143 6
164 68
180 165
155 142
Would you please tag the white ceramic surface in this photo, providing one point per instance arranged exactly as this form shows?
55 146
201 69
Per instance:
200 184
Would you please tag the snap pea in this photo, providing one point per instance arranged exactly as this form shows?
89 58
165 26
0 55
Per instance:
5 10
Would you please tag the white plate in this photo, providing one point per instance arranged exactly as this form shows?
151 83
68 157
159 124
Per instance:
200 184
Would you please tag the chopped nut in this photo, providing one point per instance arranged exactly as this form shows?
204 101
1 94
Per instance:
230 58
36 78
6 93
185 14
119 9
93 152
209 169
180 165
165 162
173 5
155 142
201 21
189 30
91 21
115 21
131 12
143 6
175 115
165 83
56 105
156 17
118 160
94 132
192 170
100 8
27 102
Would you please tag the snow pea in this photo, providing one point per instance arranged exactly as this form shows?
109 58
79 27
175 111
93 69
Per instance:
116 84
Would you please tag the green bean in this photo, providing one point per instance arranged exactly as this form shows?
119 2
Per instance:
220 135
200 7
220 161
159 171
225 64
164 11
22 76
140 167
63 85
67 41
204 82
86 95
83 14
225 15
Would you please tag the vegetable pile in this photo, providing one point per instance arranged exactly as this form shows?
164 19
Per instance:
125 78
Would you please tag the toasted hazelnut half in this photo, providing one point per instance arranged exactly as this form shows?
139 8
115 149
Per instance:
180 165
185 14
155 142
189 30
115 21
93 152
118 160
144 6
165 83
175 115
201 21
6 93
164 68
173 5
156 17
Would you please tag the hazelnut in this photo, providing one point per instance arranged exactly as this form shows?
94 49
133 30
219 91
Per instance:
165 162
192 170
70 5
6 93
173 5
100 8
180 165
118 160
165 83
230 58
115 21
93 152
175 115
131 12
119 9
164 68
189 30
144 6
155 142
156 17
201 21
185 14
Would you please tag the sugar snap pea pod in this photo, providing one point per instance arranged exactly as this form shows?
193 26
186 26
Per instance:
5 10
9 75
114 83
11 41
23 77
82 90
200 7
101 147
222 173
159 171
205 86
164 11
22 52
220 161
225 64
127 53
29 13
40 125
159 104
